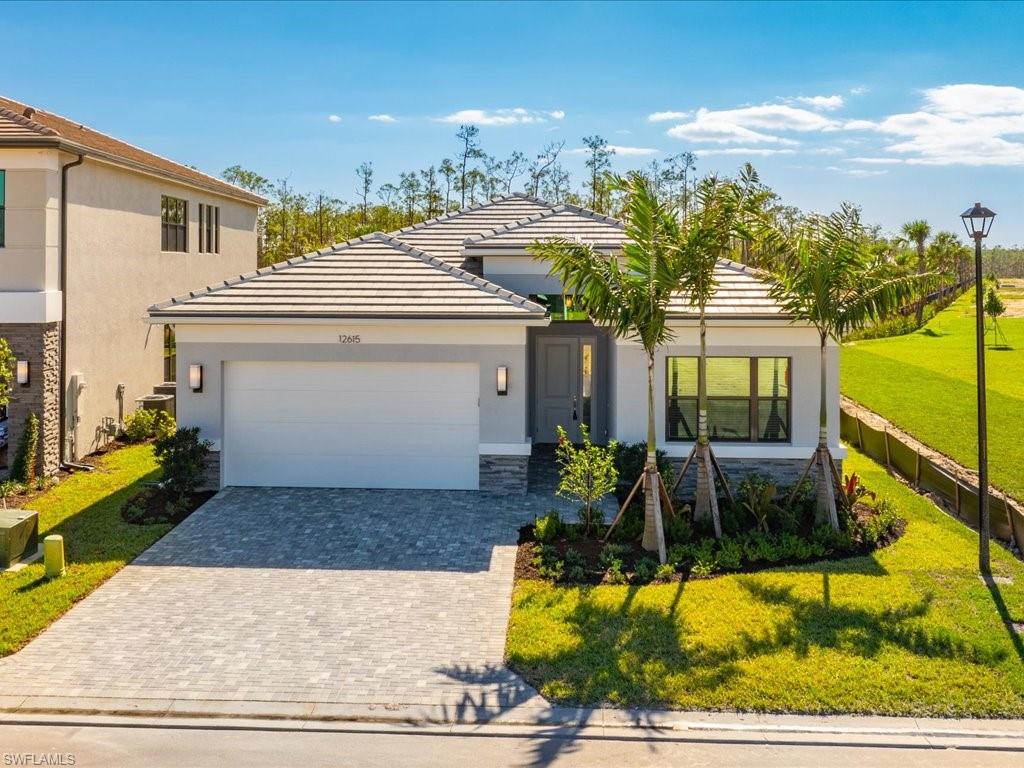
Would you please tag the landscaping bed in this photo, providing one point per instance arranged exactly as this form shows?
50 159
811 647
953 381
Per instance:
154 506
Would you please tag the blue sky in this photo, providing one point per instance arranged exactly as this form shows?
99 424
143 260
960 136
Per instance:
910 110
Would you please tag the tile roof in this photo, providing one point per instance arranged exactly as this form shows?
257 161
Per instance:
742 293
22 124
373 276
567 221
444 236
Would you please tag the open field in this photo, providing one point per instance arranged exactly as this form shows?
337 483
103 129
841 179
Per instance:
908 630
85 510
924 383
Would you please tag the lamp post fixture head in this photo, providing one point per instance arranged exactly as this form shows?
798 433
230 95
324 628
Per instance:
978 221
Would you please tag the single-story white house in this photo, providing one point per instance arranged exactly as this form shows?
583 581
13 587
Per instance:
439 355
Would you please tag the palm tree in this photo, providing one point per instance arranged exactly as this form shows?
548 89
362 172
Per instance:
830 279
918 231
630 294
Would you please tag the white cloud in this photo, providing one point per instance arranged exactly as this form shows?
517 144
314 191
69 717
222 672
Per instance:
821 102
334 118
661 117
968 124
382 118
497 117
857 172
623 132
752 151
876 160
749 125
859 90
620 150
825 151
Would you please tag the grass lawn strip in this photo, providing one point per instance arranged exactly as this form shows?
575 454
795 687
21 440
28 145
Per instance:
924 383
908 630
85 510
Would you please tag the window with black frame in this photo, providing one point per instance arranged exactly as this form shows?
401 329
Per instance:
3 205
748 399
170 354
209 228
173 224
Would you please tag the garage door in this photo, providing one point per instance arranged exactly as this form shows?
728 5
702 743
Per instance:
351 425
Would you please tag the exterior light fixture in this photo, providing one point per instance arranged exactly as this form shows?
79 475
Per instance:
502 380
978 221
195 377
21 372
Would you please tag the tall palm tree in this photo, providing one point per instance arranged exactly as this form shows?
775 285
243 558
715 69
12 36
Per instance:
830 279
630 294
919 231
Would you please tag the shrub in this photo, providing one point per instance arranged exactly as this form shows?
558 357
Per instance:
611 553
730 554
631 525
830 540
704 561
9 488
615 574
759 548
679 529
7 362
547 528
757 496
163 425
680 555
644 570
574 557
630 461
181 456
586 473
881 525
23 468
665 572
139 425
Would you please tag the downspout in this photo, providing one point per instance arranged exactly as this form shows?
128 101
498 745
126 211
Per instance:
62 393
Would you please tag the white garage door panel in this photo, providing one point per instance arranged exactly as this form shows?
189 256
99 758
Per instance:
351 425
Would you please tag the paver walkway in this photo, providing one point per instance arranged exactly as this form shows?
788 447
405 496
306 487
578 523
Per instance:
301 595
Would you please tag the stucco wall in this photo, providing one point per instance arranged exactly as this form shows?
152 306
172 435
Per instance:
116 270
520 274
628 414
502 418
29 256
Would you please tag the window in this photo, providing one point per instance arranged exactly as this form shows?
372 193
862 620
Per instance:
3 203
170 354
209 228
748 399
173 224
561 308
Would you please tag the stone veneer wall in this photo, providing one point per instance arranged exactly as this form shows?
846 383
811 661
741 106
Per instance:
211 472
39 343
504 474
783 471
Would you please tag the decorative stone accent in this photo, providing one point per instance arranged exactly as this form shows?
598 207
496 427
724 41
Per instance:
504 474
211 473
782 471
39 343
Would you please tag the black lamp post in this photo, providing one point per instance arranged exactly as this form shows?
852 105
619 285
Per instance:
978 222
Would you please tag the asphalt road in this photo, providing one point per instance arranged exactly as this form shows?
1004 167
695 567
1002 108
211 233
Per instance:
209 746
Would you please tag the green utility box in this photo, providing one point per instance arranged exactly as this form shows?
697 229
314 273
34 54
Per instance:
19 535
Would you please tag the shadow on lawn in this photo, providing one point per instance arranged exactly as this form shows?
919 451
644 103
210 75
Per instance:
642 654
1004 614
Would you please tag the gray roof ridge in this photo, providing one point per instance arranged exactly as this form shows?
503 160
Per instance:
746 269
561 208
467 277
471 208
26 122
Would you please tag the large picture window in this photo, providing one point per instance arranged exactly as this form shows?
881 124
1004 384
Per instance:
173 224
748 399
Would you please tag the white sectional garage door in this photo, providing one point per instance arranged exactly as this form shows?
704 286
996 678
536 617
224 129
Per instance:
351 425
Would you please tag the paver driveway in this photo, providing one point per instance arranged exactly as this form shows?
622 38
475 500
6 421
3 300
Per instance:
301 595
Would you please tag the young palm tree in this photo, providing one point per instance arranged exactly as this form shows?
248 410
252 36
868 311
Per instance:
919 231
829 278
630 294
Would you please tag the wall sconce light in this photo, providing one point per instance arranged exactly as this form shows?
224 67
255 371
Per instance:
195 377
502 380
21 372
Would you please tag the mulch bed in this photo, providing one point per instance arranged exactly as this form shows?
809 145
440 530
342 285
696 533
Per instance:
154 506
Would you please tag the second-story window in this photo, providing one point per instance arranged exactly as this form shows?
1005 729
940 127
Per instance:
173 224
209 228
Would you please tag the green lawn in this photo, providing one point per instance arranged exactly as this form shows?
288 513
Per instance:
85 510
924 382
910 630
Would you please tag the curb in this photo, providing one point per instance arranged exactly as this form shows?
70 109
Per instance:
305 715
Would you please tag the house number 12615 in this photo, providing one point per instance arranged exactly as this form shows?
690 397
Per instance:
347 338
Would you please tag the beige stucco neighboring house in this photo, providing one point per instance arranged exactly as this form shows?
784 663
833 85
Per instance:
440 355
92 231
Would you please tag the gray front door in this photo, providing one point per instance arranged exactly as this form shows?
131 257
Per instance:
563 386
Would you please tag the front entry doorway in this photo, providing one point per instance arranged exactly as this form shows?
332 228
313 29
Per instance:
564 387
